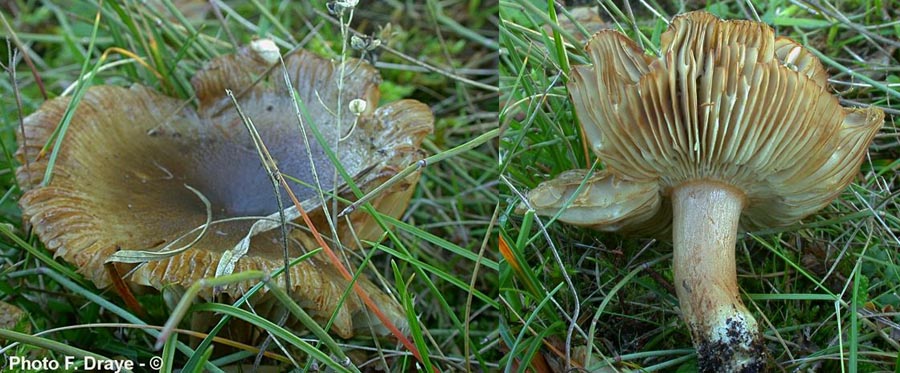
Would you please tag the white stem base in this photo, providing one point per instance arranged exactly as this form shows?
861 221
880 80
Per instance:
725 334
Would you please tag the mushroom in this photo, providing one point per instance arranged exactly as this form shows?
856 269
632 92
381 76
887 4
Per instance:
122 165
13 318
730 127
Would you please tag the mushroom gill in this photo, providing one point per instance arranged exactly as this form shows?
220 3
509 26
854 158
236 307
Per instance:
729 127
119 179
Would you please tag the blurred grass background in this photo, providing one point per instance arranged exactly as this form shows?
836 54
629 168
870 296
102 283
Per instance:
443 53
825 291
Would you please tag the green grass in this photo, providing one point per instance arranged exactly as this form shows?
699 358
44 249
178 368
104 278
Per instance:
436 259
824 291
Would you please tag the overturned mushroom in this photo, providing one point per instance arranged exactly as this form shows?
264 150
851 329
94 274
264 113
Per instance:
119 178
730 127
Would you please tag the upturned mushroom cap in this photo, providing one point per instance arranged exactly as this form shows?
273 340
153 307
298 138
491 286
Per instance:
119 179
726 101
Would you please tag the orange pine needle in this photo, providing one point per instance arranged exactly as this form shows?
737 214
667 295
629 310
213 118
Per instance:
124 291
349 277
508 255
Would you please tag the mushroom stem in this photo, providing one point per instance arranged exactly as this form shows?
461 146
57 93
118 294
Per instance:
725 334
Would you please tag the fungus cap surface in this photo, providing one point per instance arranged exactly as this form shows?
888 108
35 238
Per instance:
119 179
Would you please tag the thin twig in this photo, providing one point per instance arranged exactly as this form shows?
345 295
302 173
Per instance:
11 68
25 56
415 61
271 167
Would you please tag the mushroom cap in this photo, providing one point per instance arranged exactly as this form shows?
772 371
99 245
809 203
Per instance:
727 102
119 179
599 200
